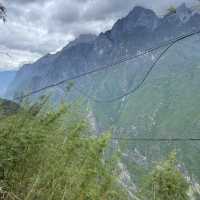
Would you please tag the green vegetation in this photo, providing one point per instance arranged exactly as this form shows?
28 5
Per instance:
167 106
8 107
165 182
171 10
51 155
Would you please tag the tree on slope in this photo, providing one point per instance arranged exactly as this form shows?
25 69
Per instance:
165 182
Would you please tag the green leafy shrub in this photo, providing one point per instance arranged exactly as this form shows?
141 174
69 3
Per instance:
165 182
52 155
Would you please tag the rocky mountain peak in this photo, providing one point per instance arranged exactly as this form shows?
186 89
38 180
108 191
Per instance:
138 18
83 38
138 11
184 13
142 17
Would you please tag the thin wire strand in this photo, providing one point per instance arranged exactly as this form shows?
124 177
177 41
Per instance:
140 83
151 139
158 139
133 90
145 52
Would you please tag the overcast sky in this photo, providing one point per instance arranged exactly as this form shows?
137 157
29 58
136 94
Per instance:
36 27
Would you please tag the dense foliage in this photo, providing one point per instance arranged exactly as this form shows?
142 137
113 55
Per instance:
165 182
51 155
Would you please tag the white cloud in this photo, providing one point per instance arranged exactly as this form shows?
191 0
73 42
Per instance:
36 27
15 58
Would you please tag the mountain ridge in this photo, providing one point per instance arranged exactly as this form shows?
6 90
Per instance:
140 29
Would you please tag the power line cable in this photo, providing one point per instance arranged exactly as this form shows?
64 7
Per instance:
133 90
120 61
140 83
150 139
168 43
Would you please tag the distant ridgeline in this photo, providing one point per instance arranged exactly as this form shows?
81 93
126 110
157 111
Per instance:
167 104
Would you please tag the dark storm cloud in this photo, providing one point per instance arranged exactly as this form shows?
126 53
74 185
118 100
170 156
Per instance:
41 26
